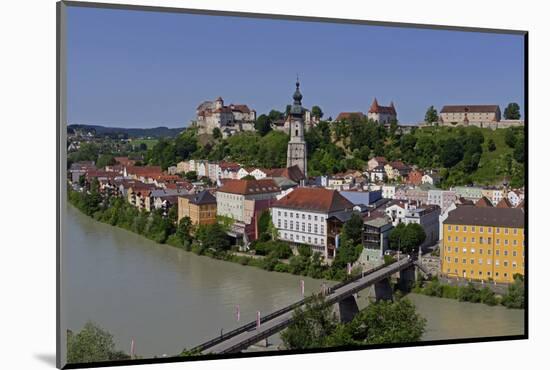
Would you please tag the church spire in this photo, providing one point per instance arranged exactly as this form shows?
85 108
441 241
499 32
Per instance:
296 109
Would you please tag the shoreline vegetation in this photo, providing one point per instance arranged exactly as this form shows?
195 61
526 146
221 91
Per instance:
514 298
211 240
269 254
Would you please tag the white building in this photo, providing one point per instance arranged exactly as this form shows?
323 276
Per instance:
515 197
301 216
382 114
232 195
388 191
441 198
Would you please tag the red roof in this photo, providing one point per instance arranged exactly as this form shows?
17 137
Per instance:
314 199
229 166
292 173
147 171
484 202
349 115
247 187
504 203
376 108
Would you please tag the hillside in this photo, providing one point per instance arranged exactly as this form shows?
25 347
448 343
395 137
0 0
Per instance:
155 132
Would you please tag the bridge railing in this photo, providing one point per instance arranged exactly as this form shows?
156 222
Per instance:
251 325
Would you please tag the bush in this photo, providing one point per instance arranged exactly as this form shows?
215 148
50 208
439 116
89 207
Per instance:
282 267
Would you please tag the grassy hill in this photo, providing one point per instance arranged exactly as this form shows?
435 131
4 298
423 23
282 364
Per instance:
489 171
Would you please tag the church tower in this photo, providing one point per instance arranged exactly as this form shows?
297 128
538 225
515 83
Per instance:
297 151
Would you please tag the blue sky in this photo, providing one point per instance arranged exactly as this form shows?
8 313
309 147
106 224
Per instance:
145 69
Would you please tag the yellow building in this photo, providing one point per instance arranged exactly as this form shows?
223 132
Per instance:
483 243
200 208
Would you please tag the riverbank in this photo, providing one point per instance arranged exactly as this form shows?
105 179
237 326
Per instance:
208 240
514 298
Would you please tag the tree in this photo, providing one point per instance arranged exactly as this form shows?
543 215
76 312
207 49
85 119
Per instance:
316 112
512 111
213 237
92 344
510 138
431 115
407 238
311 325
105 160
275 115
387 322
216 133
248 177
515 297
451 152
519 150
352 231
263 124
185 227
491 146
142 147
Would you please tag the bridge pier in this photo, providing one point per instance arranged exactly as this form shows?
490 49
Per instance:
346 309
407 277
382 290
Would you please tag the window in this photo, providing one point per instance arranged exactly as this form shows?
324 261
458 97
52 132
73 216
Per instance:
505 253
456 249
464 260
464 228
473 229
278 213
489 230
498 230
286 225
481 229
308 228
515 231
291 224
285 214
449 228
473 240
472 261
291 214
456 260
309 217
489 261
315 228
497 252
505 231
309 239
480 261
480 251
481 240
448 249
514 253
489 240
464 239
464 250
498 241
456 228
472 250
456 238
303 216
497 262
315 218
279 223
505 241
315 240
505 263
515 242
322 228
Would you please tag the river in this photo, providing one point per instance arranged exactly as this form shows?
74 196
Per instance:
167 299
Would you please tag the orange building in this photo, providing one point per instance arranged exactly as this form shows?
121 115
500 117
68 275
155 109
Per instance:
483 243
200 208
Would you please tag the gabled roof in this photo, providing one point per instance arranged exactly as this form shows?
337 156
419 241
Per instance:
247 187
484 202
292 173
504 203
314 199
376 108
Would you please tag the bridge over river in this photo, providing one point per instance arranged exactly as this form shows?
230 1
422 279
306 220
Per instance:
341 294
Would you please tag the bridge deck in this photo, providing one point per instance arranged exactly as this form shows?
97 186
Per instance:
247 338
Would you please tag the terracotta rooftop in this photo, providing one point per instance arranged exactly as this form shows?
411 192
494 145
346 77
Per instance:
314 199
484 202
247 187
349 115
469 108
376 108
487 216
504 203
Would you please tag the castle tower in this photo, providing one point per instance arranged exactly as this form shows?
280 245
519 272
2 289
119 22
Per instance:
297 151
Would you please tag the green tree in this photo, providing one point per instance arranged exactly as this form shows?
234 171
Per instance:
105 160
512 111
510 138
352 231
515 297
519 150
387 322
275 115
216 133
184 229
213 237
451 152
263 124
431 115
407 238
311 325
316 112
142 147
92 344
491 146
